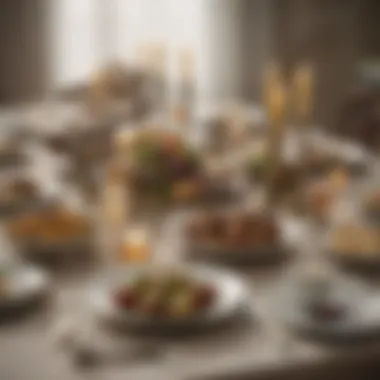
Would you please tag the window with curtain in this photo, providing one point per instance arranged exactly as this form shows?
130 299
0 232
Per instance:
89 33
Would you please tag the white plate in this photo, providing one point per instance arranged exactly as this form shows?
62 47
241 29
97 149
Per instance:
359 321
23 284
231 298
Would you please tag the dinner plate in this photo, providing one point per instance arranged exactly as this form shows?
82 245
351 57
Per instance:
359 319
70 249
23 285
231 296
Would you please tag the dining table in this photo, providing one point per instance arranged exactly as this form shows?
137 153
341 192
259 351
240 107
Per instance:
255 345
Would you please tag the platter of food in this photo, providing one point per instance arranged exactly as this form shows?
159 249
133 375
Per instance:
237 237
166 169
53 234
163 298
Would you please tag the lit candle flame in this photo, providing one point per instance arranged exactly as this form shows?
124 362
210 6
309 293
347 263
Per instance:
124 139
135 245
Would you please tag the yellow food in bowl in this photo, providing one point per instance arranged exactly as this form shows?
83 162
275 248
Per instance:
53 226
186 190
373 201
356 241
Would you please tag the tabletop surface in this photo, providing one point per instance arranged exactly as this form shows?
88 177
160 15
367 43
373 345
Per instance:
257 344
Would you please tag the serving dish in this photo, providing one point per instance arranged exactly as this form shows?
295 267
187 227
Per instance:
54 234
222 296
336 310
355 245
164 169
237 237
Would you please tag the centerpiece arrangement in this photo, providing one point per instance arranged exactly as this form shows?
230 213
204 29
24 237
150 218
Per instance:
165 168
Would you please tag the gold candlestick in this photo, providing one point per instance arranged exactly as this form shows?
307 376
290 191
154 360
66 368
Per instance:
153 57
303 88
155 60
98 96
123 141
185 96
272 76
114 212
302 94
186 65
275 100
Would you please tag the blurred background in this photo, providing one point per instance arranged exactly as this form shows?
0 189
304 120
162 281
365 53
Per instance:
53 45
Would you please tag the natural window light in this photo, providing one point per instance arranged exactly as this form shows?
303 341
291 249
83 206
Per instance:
89 33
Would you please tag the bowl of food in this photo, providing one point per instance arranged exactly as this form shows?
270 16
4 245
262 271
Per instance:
54 234
164 298
326 308
322 161
166 169
258 167
355 245
19 195
317 200
235 238
372 206
10 153
60 143
286 178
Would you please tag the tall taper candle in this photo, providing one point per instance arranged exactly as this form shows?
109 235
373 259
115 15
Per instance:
275 99
303 91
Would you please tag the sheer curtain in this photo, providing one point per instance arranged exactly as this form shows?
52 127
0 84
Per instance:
75 40
88 33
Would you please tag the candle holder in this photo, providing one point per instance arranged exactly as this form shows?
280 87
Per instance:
98 98
275 101
302 91
185 91
135 246
302 88
154 58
